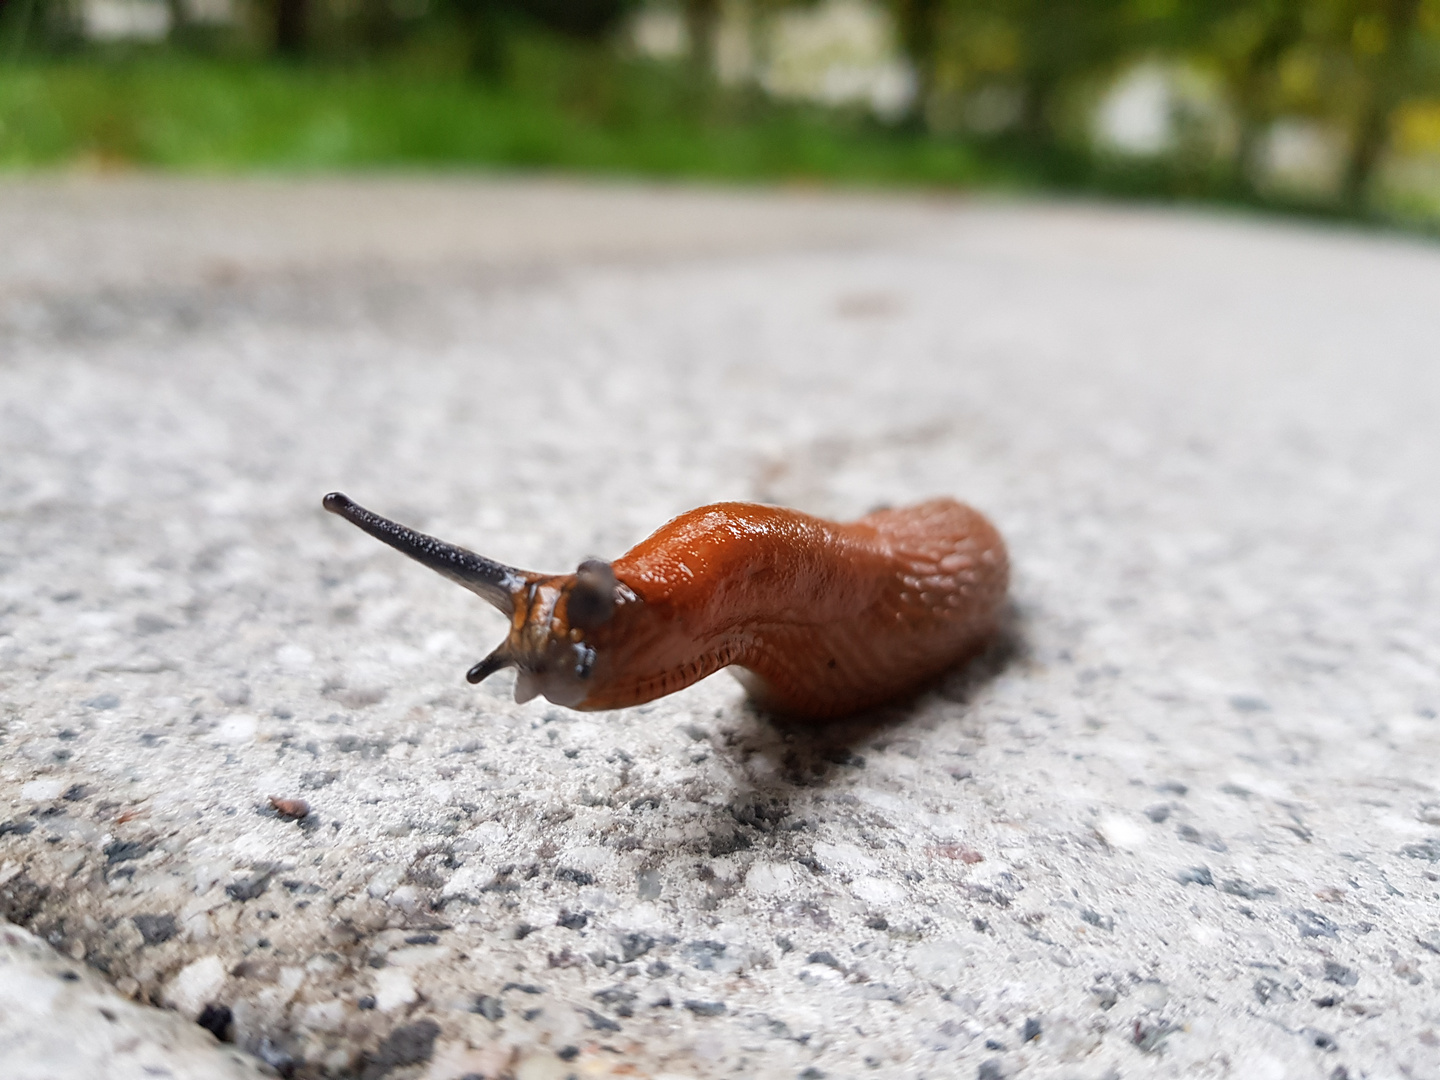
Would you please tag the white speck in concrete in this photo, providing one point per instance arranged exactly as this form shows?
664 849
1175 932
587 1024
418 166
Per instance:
846 857
541 1066
418 955
195 986
394 988
237 728
294 657
324 1015
42 790
469 880
485 835
591 859
879 891
454 1060
770 878
1121 832
406 897
1152 993
385 880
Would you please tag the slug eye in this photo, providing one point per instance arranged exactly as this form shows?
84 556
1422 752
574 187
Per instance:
591 602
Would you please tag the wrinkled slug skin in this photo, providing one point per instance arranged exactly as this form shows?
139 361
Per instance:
818 619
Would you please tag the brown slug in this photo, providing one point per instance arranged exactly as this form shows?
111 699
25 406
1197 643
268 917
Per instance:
816 619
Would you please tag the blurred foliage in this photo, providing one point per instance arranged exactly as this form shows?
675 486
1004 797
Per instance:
564 106
1354 64
1006 91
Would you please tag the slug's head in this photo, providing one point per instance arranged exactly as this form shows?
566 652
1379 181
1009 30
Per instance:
556 634
556 622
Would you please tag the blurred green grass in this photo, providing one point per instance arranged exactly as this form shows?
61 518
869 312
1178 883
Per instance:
560 112
562 107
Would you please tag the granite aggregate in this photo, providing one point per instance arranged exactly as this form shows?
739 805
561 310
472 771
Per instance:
1183 820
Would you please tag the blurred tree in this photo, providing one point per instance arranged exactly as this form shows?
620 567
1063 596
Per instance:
919 25
487 26
43 26
1383 41
483 27
586 20
702 28
14 22
1042 48
179 20
377 26
1250 40
1063 42
1350 64
292 25
1030 67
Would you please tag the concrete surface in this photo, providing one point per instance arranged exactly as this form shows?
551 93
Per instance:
58 1018
1189 826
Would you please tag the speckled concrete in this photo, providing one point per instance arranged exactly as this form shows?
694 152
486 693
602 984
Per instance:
59 1019
1187 824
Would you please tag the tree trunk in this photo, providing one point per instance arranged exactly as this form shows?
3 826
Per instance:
1256 89
483 25
918 24
22 24
379 27
291 19
179 20
1387 74
1037 99
702 26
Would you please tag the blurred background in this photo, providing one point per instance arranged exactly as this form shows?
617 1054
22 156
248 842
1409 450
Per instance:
1320 106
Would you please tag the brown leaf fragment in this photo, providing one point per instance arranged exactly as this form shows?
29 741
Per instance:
290 808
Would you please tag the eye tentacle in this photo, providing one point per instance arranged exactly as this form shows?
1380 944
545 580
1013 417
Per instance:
591 601
493 582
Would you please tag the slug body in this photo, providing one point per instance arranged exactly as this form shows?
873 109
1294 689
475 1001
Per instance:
816 619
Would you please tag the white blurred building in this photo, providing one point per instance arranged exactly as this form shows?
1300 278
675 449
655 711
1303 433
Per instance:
125 20
839 52
1157 108
147 20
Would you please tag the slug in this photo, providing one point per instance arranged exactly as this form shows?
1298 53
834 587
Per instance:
816 619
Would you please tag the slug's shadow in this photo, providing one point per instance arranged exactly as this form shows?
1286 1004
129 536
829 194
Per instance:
807 754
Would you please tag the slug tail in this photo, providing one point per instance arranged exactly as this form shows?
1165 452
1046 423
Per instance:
493 582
